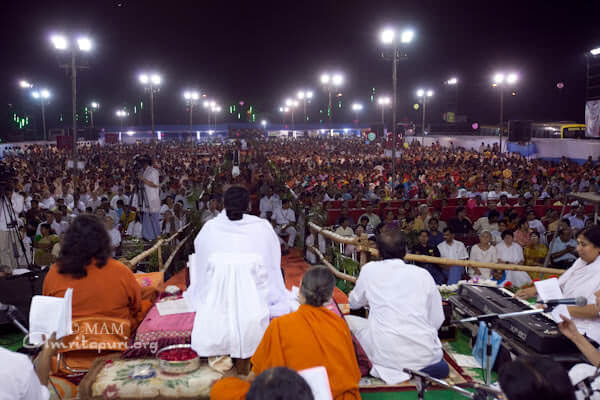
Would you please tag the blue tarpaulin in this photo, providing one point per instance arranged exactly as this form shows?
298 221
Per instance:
526 150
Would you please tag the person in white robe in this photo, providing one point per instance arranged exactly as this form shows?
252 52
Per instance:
285 219
483 252
510 252
247 247
581 280
405 313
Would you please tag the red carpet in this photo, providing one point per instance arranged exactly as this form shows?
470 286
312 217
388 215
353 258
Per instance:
294 267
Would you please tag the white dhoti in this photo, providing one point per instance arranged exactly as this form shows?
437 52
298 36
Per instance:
291 233
233 316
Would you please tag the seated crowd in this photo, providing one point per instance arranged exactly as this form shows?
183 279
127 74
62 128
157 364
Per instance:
76 228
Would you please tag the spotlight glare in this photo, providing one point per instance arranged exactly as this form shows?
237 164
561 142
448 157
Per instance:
60 42
498 78
420 93
387 36
144 79
511 78
156 79
325 79
407 36
45 93
84 43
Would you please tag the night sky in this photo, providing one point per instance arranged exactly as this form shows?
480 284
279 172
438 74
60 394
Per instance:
263 52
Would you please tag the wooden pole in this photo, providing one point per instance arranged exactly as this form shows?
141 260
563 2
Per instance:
334 270
172 256
160 260
477 264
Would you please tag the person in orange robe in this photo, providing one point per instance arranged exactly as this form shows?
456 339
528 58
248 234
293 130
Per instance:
102 286
310 337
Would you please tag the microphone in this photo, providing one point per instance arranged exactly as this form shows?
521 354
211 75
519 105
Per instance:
573 301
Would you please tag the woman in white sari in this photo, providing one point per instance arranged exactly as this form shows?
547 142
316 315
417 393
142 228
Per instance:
510 252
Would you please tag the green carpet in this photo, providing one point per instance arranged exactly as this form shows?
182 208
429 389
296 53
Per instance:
430 395
11 338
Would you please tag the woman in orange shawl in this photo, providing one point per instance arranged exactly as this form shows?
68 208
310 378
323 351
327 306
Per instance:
310 337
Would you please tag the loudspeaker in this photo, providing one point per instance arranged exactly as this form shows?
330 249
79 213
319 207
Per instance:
378 129
519 131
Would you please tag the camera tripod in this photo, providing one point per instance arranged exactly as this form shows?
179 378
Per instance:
15 238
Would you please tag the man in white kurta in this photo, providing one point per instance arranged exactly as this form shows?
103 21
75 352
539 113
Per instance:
455 250
405 313
284 218
269 202
151 203
218 247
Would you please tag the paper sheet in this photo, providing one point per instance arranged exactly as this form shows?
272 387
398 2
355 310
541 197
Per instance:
50 314
466 361
549 289
318 381
179 306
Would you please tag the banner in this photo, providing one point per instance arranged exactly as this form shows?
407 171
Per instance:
592 118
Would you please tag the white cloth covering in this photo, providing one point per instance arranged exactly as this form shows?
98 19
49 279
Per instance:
583 280
513 255
19 380
250 235
405 315
233 316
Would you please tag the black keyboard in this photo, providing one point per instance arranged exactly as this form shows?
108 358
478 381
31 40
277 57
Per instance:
535 330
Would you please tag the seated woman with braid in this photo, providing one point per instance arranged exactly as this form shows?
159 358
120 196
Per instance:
310 337
102 286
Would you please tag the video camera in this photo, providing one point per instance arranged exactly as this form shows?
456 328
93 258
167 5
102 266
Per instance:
7 174
140 161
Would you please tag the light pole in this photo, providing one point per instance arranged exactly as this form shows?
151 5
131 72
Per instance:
330 81
357 107
209 105
423 95
93 107
283 111
305 95
454 82
264 126
215 110
291 104
121 114
151 83
501 80
383 102
191 97
391 37
42 95
84 44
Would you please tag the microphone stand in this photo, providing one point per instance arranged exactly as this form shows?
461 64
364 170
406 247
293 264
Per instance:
488 319
423 381
11 312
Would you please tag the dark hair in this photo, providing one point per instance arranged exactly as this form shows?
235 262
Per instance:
506 233
391 244
493 214
449 230
85 239
535 379
317 286
459 209
592 234
47 226
364 218
534 232
423 231
343 219
522 221
566 222
236 201
279 383
433 219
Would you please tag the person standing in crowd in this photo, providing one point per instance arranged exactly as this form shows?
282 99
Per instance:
151 218
9 221
405 313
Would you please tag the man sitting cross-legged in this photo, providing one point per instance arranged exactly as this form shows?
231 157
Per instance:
405 313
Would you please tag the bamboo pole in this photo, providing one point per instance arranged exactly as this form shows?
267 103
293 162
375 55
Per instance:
160 260
333 269
135 260
174 252
477 264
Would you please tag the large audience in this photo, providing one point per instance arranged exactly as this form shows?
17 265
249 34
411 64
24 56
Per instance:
444 202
